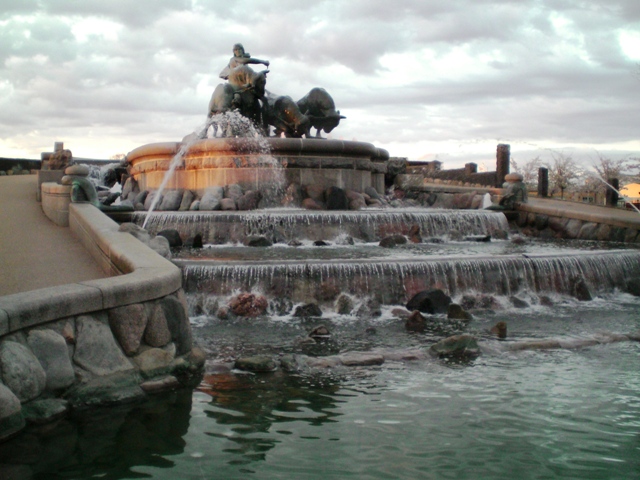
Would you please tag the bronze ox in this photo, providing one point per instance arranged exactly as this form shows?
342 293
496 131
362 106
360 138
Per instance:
319 107
285 116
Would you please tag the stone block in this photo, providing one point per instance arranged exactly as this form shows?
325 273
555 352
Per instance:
97 350
50 348
21 371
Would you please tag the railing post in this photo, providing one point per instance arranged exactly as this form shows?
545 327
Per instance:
543 182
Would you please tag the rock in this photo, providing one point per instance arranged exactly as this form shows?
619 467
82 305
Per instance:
308 310
518 303
112 389
430 301
96 348
414 234
468 302
163 384
50 348
173 236
294 243
369 308
344 304
319 331
311 204
499 329
373 193
175 311
546 301
248 305
580 290
458 347
293 196
633 286
157 332
21 371
456 312
321 243
477 238
171 200
233 191
128 324
195 241
391 241
211 198
140 198
228 205
152 360
357 204
249 201
69 334
401 313
45 411
160 245
151 198
315 192
256 364
257 241
187 200
345 240
195 206
336 199
11 419
360 359
416 322
138 232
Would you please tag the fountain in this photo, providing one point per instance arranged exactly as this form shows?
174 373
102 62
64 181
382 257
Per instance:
401 412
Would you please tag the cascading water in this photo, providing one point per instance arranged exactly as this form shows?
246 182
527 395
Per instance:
240 127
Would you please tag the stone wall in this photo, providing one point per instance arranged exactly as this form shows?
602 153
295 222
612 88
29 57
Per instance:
97 342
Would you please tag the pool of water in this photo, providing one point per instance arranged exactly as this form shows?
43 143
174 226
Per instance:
532 414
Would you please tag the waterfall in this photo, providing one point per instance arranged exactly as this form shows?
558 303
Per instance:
392 281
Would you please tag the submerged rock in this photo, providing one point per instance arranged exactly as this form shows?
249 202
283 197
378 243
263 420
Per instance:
499 329
457 346
256 364
257 241
393 240
308 310
456 312
416 322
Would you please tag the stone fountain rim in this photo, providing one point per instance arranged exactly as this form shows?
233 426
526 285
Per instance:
278 146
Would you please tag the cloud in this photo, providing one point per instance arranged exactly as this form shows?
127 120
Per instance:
414 76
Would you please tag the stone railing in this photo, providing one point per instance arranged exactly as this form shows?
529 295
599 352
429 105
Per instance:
96 342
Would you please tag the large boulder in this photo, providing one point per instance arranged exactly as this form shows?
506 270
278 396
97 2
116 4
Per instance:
430 301
248 305
211 198
97 350
128 324
11 419
336 199
21 371
171 200
157 333
50 348
173 236
175 311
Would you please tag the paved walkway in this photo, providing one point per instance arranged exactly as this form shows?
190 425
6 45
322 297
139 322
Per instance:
35 252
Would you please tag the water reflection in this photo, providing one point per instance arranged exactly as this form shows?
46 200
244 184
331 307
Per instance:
104 442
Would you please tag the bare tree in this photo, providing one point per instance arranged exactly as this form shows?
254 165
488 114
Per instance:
563 172
528 170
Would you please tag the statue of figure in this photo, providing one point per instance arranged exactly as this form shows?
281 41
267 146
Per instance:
240 58
515 194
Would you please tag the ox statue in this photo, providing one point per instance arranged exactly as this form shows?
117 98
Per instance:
285 116
244 92
319 107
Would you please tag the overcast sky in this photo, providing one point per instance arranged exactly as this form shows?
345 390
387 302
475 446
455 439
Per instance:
425 79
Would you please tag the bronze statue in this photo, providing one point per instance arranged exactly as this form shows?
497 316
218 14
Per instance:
321 110
240 58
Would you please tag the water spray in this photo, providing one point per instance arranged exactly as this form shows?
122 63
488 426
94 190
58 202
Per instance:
627 199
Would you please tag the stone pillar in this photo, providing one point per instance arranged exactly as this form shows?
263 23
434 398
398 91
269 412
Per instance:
543 182
503 157
470 168
611 196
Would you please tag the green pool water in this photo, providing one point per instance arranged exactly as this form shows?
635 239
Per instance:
571 414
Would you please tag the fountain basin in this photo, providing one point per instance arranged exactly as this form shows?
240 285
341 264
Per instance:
254 163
